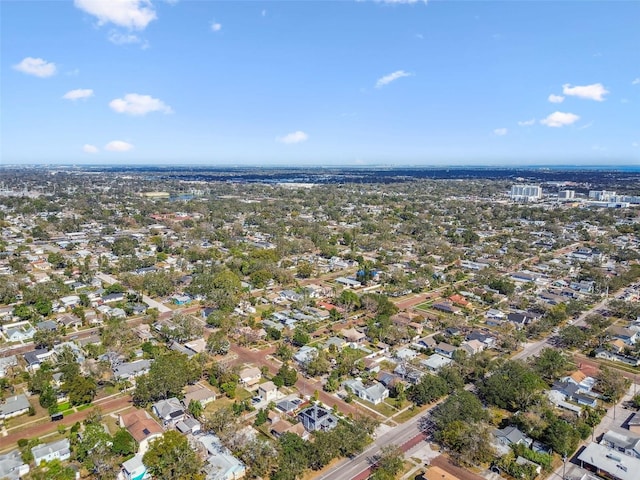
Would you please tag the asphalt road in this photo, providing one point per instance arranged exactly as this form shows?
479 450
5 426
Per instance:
351 468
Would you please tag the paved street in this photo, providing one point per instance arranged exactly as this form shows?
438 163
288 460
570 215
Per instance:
108 279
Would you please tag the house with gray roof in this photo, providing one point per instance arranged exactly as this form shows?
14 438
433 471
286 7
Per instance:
169 410
623 441
12 467
375 393
6 363
305 354
14 406
317 418
505 437
60 450
129 370
610 462
221 464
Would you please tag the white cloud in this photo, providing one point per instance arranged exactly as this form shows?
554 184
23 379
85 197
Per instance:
595 91
135 104
294 137
555 98
500 132
636 81
78 94
527 123
264 13
635 144
560 119
387 79
119 38
87 148
216 27
133 14
36 66
118 146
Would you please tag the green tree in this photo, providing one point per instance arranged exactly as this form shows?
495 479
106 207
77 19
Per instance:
573 337
513 386
293 457
123 443
460 406
171 458
389 463
300 337
80 389
427 390
261 417
195 408
286 376
611 384
469 443
551 364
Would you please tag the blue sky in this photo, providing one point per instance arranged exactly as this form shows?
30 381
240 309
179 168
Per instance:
320 83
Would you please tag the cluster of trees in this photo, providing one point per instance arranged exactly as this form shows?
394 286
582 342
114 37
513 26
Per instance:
292 455
98 451
168 375
80 389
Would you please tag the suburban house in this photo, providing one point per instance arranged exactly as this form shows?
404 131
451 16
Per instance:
436 361
305 354
221 464
581 380
60 450
14 406
35 358
169 410
127 371
250 376
317 418
375 393
352 335
565 391
189 425
628 336
508 436
445 349
6 363
622 441
609 462
133 469
12 467
198 393
446 307
472 347
142 428
268 391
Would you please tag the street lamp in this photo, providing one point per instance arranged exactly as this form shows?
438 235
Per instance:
564 466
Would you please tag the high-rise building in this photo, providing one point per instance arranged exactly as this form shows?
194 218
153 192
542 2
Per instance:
602 195
526 193
566 194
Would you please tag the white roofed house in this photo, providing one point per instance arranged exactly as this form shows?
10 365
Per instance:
60 450
12 467
6 363
169 410
14 406
220 464
130 370
250 376
375 393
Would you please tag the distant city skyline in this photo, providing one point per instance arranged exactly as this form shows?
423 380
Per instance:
344 83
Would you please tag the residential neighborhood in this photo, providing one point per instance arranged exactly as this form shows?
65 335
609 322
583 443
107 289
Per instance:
277 330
